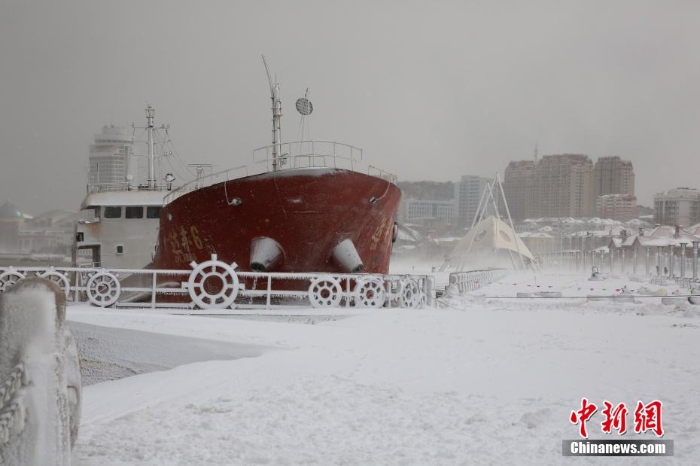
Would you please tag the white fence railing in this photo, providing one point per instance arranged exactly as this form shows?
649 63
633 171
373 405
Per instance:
464 282
216 285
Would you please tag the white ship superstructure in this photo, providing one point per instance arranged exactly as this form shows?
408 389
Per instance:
120 225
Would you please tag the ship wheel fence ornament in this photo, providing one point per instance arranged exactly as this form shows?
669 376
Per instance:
9 278
410 294
58 278
325 291
369 293
213 284
103 289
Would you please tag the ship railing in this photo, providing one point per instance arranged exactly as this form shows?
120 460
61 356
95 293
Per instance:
93 188
306 154
294 155
205 181
379 173
314 154
190 289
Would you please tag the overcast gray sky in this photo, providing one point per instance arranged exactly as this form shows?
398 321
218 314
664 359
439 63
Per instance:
431 90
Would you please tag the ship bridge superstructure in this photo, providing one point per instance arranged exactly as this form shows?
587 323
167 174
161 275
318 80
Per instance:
120 213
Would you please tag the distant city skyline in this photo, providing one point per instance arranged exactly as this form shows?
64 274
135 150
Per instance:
571 185
428 90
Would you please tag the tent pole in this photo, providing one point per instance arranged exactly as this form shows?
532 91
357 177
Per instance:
505 202
479 214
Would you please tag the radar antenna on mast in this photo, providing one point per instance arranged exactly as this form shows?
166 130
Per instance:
151 132
304 107
277 158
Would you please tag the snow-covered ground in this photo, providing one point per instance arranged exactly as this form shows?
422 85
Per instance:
482 379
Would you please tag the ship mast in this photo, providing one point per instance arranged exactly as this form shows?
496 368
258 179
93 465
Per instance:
150 112
277 160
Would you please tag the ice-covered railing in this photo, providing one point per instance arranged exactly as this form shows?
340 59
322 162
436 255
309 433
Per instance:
463 282
291 156
193 288
40 387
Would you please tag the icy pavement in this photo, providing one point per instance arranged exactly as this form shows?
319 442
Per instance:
485 381
111 353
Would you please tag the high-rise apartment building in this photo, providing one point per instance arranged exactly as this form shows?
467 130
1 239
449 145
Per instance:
519 187
563 186
109 159
468 192
612 175
680 206
613 189
569 185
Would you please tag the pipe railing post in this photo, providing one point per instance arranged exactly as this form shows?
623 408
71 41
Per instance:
648 254
682 260
622 261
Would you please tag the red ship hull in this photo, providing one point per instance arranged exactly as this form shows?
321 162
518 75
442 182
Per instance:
284 221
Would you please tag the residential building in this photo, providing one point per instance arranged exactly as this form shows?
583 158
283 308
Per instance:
563 186
568 185
418 209
519 188
10 220
622 207
680 206
468 192
612 175
49 232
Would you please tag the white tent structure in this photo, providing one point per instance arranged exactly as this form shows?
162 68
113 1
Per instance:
491 242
